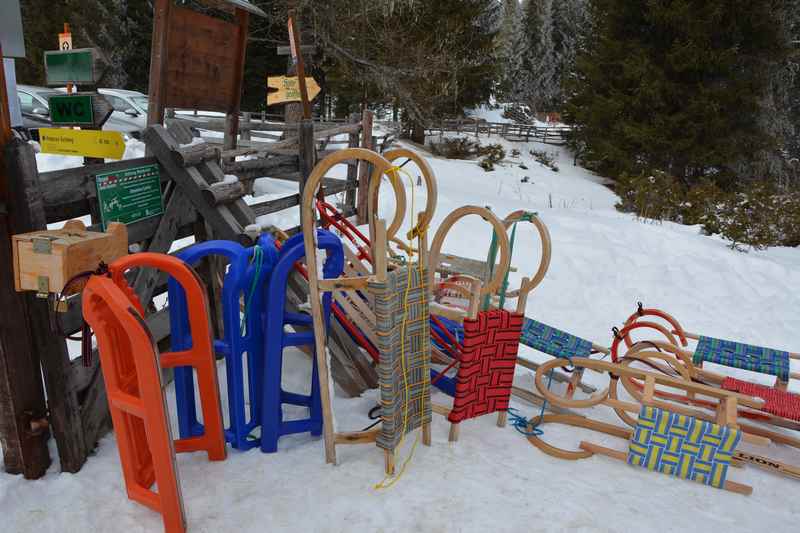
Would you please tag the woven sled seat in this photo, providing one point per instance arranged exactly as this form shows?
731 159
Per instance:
778 402
553 341
682 446
743 356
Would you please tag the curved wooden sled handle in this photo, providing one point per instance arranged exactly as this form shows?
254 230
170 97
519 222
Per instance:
434 256
547 252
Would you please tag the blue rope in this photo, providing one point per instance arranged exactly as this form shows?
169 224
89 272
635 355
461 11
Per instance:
258 259
522 424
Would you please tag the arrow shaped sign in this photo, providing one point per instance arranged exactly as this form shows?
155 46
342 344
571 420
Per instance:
287 89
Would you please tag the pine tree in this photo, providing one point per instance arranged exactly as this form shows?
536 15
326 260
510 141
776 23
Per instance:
676 86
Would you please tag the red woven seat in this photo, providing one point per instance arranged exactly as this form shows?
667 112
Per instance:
486 370
778 402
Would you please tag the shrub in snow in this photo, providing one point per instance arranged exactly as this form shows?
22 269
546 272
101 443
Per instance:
455 148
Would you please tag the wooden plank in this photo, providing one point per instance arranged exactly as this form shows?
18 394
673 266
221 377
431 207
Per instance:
279 167
191 183
146 278
237 79
307 155
332 186
158 62
203 55
364 171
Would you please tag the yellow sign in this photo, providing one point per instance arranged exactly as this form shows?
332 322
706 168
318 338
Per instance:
288 89
86 143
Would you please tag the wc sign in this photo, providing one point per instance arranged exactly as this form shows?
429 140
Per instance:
72 110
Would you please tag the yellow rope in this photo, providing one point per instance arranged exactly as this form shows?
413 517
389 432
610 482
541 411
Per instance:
389 480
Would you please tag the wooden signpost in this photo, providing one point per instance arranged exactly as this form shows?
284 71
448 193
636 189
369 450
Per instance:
287 89
297 58
87 143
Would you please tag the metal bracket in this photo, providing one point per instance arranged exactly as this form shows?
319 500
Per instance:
43 244
42 287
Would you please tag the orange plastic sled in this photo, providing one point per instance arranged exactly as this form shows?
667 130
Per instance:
130 363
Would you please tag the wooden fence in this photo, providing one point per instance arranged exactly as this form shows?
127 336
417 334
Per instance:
75 393
512 132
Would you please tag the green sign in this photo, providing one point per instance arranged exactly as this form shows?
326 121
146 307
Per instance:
71 66
129 195
75 109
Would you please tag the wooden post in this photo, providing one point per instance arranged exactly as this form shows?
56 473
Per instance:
246 131
21 393
232 118
69 420
364 168
308 155
297 56
158 62
352 170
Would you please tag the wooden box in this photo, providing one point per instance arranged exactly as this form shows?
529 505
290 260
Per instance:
45 260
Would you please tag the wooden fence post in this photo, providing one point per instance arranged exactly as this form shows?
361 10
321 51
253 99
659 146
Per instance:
21 393
308 154
66 414
364 168
352 171
245 135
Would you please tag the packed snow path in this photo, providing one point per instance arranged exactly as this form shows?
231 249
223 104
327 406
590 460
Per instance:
492 479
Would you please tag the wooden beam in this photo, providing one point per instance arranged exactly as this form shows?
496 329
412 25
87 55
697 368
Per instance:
364 171
158 62
232 118
21 392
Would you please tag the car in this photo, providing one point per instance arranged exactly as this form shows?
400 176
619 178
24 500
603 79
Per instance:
35 107
130 109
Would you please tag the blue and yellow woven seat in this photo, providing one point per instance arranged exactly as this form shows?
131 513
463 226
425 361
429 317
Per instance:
553 341
743 356
683 446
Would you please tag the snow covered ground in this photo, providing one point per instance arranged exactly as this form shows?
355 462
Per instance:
492 479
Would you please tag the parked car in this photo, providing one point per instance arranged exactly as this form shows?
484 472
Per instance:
130 109
34 103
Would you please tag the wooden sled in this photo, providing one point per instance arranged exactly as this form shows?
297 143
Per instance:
725 405
372 282
668 356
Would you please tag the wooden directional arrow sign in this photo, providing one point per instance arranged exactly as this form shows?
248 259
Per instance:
287 89
86 143
80 109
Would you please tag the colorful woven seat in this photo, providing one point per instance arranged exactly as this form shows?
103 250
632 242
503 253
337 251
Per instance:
553 341
743 356
682 446
778 402
486 371
404 345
